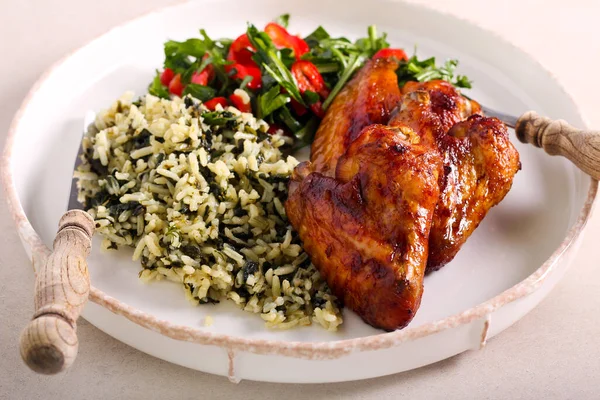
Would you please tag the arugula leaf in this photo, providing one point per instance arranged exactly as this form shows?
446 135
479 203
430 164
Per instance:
157 89
326 67
376 42
268 57
195 54
288 119
201 92
316 37
192 47
342 57
356 61
287 57
283 20
462 81
427 70
311 97
270 101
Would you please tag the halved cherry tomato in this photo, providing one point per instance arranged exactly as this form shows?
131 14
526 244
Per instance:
201 78
212 103
238 102
240 52
175 86
204 76
243 71
301 45
282 39
166 76
388 53
308 77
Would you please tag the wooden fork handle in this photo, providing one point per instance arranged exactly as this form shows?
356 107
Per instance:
557 137
49 342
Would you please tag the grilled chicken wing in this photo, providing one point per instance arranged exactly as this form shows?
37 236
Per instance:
367 229
479 161
445 103
367 99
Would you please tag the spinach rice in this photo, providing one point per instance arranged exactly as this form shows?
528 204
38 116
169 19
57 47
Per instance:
199 195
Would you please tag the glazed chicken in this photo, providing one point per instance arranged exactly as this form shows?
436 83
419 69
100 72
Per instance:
395 186
368 98
479 161
367 229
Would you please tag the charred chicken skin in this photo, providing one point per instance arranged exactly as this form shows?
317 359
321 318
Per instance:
479 161
367 229
379 205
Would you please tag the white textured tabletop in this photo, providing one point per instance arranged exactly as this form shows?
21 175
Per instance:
554 352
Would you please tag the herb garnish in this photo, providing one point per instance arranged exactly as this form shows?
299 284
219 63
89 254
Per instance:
426 70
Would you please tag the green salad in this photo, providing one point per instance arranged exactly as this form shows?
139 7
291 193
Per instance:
285 79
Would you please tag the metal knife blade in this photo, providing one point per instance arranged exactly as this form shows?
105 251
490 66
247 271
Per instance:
509 120
74 204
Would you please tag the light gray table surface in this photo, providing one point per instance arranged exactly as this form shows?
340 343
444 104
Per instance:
553 352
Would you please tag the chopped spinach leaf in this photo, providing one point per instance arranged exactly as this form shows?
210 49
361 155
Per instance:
216 118
142 139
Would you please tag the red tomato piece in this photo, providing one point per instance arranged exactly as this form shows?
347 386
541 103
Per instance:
203 77
389 53
200 78
238 102
166 76
175 86
241 51
301 46
243 71
279 35
298 108
282 39
308 77
317 109
212 103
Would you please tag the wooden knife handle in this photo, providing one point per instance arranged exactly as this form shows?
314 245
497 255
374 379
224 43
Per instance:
557 137
49 342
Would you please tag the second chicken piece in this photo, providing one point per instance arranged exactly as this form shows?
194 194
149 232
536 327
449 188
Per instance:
479 160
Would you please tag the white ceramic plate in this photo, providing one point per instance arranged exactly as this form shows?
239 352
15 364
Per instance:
511 262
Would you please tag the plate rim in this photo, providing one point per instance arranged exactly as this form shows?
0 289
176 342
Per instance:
295 349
